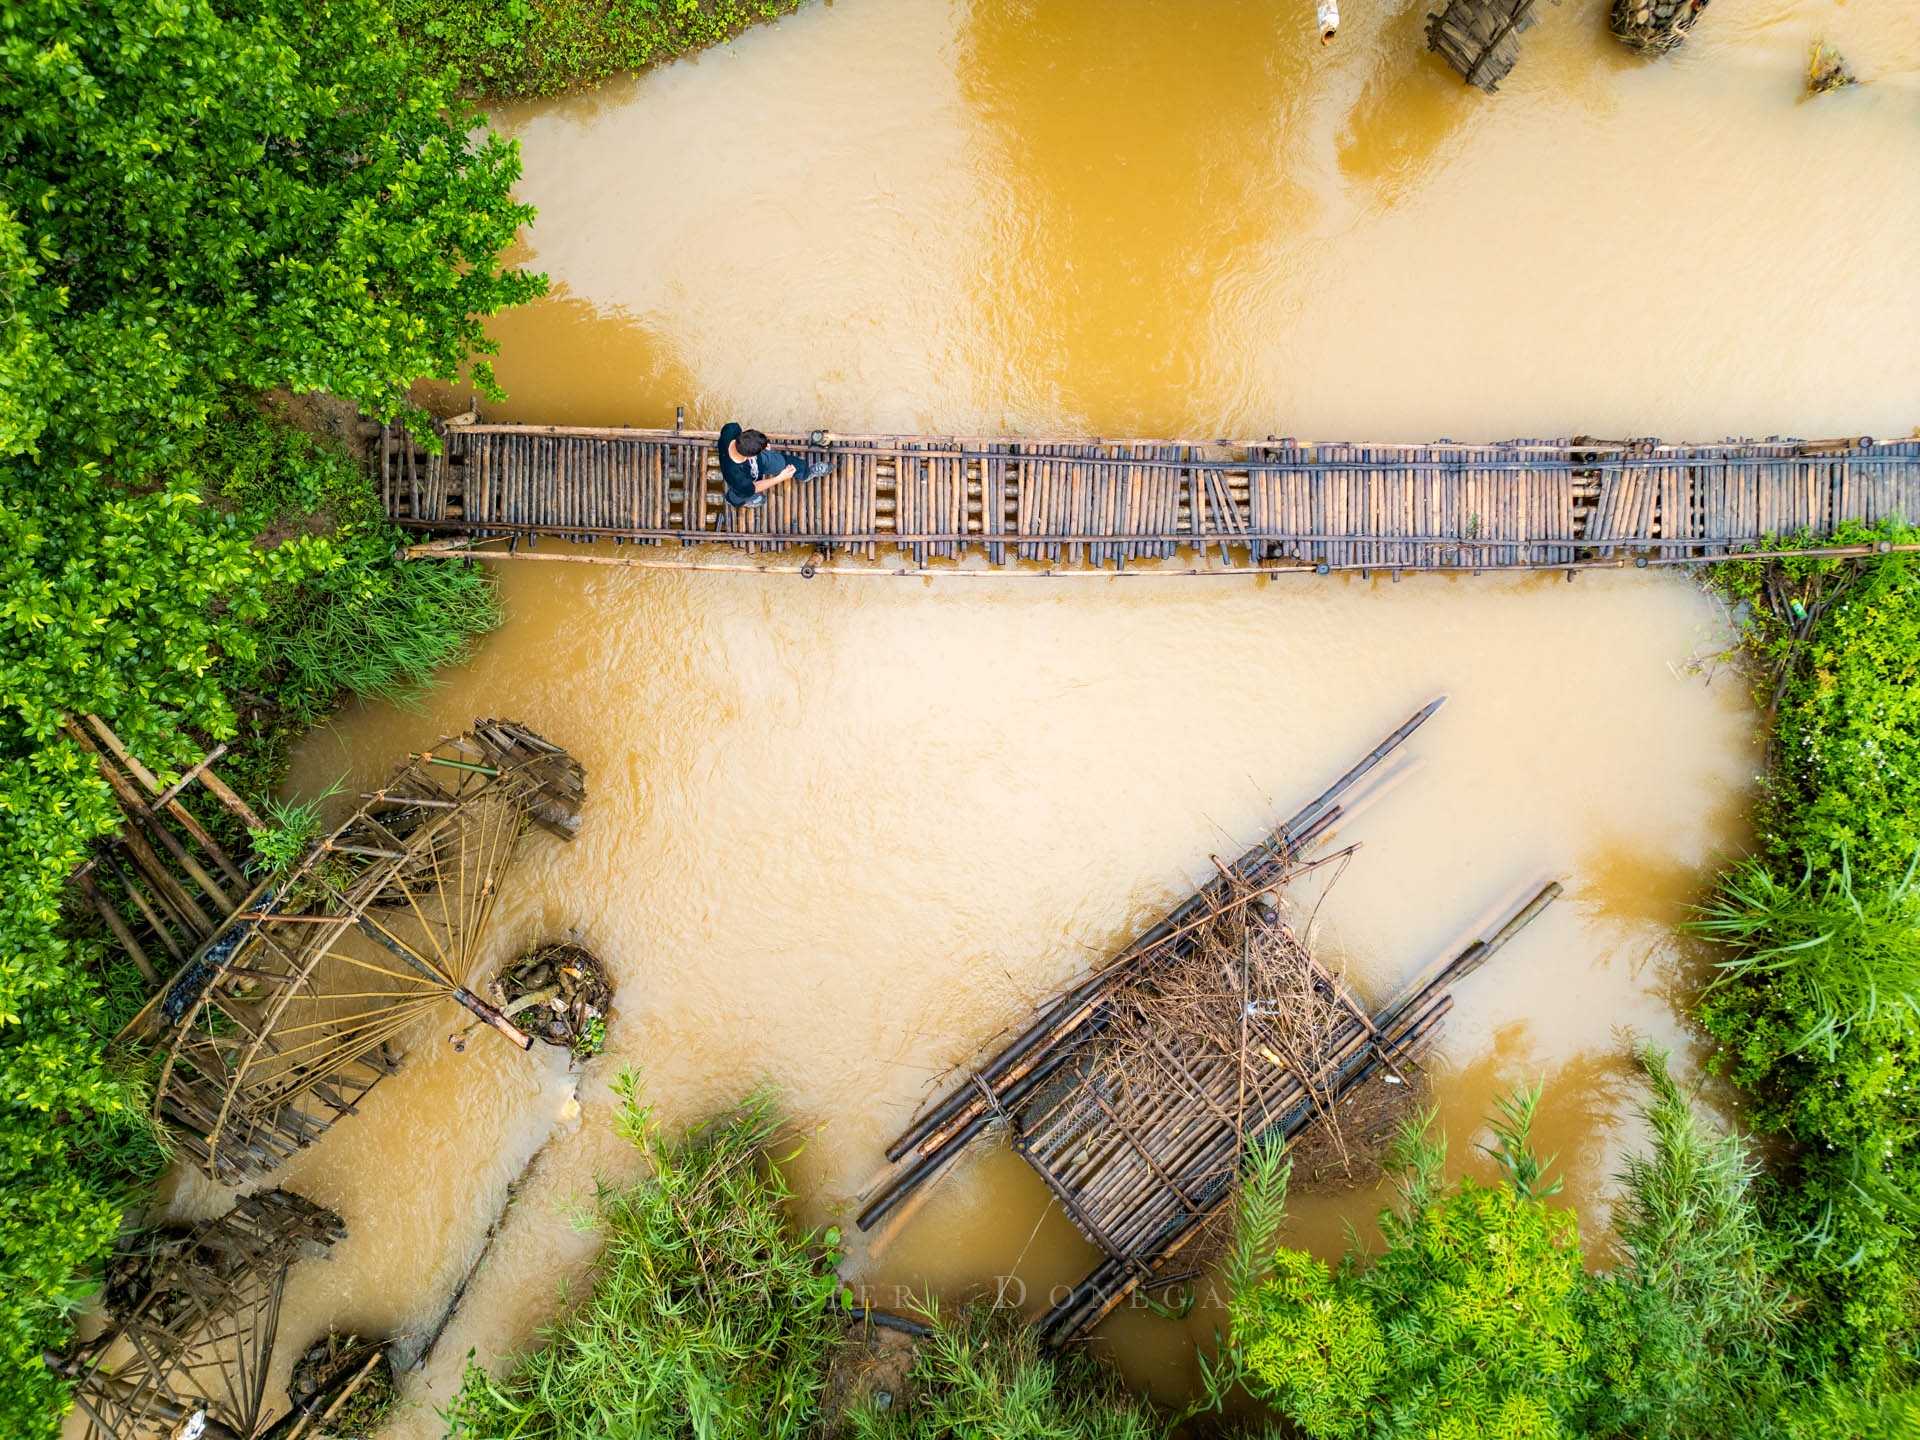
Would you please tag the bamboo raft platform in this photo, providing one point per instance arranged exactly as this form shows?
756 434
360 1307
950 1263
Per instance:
1142 1178
1282 504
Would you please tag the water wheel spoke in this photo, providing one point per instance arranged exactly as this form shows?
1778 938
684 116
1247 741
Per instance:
291 998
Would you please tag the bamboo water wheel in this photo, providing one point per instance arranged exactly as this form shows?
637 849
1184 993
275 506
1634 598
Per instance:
302 1001
192 1317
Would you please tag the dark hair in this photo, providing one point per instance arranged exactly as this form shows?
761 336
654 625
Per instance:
751 442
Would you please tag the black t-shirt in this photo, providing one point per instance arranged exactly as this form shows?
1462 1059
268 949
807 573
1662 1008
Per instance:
740 475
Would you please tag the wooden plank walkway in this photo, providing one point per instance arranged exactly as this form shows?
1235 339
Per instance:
1531 504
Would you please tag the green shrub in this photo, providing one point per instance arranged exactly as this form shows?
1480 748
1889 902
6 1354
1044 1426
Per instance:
709 1315
1844 687
1824 954
1817 1002
518 49
1469 1322
1687 1333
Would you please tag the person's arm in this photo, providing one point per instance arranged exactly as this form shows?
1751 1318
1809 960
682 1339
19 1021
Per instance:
772 457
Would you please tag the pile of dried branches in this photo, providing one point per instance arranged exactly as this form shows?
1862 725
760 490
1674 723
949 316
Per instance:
1229 1020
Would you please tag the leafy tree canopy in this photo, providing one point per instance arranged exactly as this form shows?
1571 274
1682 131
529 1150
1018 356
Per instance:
203 194
1468 1324
198 199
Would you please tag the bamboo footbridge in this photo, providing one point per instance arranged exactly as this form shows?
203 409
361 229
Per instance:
1135 1116
1278 504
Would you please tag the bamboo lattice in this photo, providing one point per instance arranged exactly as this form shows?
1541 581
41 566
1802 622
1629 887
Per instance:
1134 1093
1283 503
301 1002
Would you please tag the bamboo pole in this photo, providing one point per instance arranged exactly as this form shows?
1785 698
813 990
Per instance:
810 569
1295 832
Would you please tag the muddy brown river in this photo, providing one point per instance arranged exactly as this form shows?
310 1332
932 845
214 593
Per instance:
841 832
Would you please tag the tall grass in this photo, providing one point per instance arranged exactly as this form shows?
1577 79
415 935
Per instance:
1845 958
1692 1327
377 629
1689 1218
710 1317
981 1375
292 827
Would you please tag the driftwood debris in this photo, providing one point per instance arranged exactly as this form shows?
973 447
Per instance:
558 992
1655 27
1827 70
299 1002
1134 1093
341 1387
1480 38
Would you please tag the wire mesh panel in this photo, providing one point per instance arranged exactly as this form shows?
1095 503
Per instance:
302 1001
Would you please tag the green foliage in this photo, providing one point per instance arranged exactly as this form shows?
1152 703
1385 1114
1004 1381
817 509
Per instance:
1835 1413
197 196
357 621
1259 1211
982 1376
197 199
709 1317
292 827
518 49
1846 770
1817 1003
1314 1346
1688 1331
1838 959
1469 1323
593 1038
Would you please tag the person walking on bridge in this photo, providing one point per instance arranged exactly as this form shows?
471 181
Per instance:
751 468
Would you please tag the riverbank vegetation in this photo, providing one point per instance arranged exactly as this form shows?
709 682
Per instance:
711 1315
1816 1006
525 49
199 203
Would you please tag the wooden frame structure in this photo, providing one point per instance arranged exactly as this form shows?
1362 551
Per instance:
294 1007
1140 1179
1480 38
192 1316
161 883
